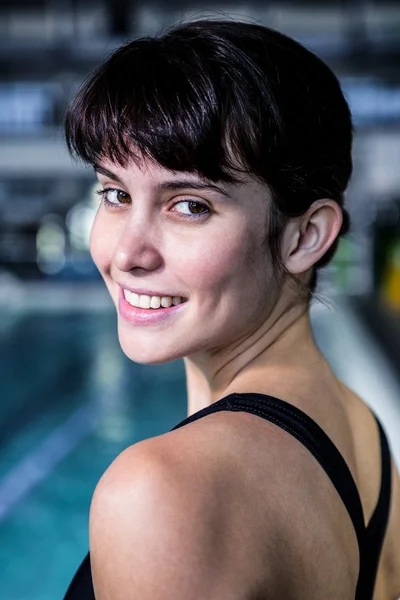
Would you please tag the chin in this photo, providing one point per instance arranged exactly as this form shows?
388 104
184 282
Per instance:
147 353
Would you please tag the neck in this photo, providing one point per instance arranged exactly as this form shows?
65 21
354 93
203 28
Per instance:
279 343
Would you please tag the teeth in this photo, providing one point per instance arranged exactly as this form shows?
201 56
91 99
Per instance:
145 301
134 298
166 301
155 302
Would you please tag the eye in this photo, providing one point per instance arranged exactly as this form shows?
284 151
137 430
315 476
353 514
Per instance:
114 196
191 208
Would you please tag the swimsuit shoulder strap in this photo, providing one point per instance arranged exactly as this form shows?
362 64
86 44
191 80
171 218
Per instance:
305 430
376 528
311 435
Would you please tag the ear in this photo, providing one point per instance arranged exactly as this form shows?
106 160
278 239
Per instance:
309 237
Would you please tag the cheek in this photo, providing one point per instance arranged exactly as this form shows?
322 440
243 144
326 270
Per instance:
218 261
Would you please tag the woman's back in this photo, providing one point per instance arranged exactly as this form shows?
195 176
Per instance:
273 463
282 529
368 473
351 426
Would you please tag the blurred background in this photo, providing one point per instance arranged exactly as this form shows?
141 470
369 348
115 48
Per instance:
70 400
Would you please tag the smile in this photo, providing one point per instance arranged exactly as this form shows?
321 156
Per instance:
152 302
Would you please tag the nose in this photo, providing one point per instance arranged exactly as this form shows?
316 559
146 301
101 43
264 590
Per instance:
138 247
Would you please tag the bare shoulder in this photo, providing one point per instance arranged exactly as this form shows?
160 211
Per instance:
158 526
207 511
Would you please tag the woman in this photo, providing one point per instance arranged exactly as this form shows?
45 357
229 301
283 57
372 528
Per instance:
223 150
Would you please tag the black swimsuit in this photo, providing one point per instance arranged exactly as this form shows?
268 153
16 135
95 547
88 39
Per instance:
303 428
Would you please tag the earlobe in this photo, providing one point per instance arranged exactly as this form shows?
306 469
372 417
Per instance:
311 236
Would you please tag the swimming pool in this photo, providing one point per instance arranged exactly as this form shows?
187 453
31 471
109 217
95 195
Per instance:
71 402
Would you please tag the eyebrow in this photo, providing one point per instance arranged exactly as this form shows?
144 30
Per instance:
106 172
176 184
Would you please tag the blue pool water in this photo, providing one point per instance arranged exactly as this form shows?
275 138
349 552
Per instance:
70 403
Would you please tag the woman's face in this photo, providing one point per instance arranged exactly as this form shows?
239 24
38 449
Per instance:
163 237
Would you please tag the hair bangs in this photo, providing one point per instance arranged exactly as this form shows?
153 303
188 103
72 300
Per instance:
162 112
